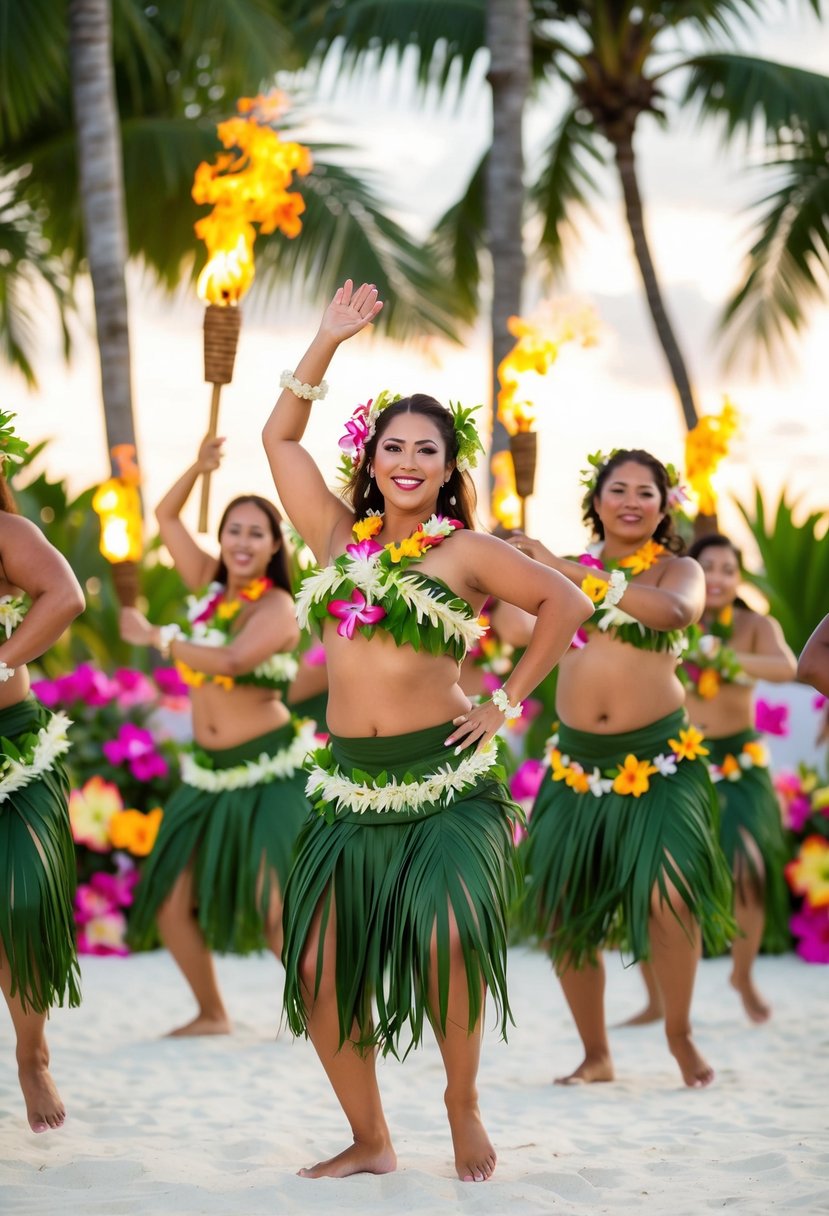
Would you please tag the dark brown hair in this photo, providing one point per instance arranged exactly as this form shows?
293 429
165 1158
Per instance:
665 533
362 493
277 570
714 540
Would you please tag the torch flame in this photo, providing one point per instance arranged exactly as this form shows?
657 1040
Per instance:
118 505
705 447
247 185
506 505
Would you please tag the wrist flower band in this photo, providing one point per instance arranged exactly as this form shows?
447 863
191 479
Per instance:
501 701
308 392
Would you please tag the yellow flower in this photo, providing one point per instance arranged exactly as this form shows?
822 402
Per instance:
91 809
256 589
643 558
689 744
594 588
135 831
820 799
757 751
224 681
808 874
632 777
709 684
577 780
725 616
560 771
410 546
364 529
192 678
730 766
227 610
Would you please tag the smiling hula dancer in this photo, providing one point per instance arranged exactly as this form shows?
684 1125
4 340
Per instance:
400 890
215 877
622 846
39 597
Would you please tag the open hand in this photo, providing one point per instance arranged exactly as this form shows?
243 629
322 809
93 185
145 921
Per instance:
350 311
532 548
478 725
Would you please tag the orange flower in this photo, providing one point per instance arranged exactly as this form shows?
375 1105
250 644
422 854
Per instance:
757 751
577 780
226 610
643 558
808 874
560 771
632 777
256 589
365 529
594 588
135 831
225 682
189 676
709 683
410 546
730 767
689 744
725 616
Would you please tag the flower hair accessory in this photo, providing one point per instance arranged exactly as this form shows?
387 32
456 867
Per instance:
362 426
12 447
677 495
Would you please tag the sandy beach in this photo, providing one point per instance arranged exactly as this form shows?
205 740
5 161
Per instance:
220 1126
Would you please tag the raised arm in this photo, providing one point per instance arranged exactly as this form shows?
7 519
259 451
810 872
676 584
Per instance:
195 565
311 507
769 657
676 600
32 564
813 664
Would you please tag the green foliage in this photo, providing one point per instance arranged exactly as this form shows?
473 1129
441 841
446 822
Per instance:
795 557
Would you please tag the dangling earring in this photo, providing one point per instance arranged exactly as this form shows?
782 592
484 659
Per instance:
453 502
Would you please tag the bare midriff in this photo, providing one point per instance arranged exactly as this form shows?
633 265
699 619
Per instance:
731 711
225 717
610 687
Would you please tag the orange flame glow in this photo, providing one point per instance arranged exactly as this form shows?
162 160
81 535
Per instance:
506 505
247 186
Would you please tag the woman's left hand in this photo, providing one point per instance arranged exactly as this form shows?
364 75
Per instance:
478 725
135 628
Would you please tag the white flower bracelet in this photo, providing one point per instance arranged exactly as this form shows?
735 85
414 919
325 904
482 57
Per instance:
6 672
309 392
501 701
167 634
616 587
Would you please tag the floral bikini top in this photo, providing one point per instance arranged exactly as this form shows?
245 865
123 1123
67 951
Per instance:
372 586
210 618
608 616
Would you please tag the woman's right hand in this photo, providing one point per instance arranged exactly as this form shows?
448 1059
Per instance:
350 311
532 548
210 454
135 628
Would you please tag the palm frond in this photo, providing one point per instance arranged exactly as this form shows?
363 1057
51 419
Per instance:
565 181
751 93
34 66
459 240
787 267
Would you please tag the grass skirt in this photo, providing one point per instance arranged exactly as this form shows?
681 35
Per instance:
391 879
749 807
593 862
237 840
37 877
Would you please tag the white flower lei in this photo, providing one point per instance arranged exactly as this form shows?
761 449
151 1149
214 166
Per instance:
12 612
50 742
251 772
440 786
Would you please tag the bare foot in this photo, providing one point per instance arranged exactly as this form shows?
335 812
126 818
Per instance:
754 1005
44 1109
592 1068
651 1013
696 1072
474 1155
374 1158
202 1025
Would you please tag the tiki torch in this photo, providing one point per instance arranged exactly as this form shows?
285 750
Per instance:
247 185
117 503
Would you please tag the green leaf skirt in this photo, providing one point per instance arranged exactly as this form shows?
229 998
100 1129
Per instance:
395 882
37 877
749 807
239 842
593 862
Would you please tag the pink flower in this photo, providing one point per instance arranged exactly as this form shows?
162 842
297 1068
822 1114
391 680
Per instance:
580 639
209 609
104 935
818 702
587 559
364 549
90 903
136 748
88 684
356 431
116 888
354 612
136 688
314 656
796 812
526 780
169 682
811 925
46 692
771 719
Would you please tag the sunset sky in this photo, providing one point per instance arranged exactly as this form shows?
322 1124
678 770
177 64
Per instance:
615 394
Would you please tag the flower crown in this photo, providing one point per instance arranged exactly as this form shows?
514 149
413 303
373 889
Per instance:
677 495
12 447
362 425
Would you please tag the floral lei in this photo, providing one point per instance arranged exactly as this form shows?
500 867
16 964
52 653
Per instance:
710 661
33 754
753 754
210 620
632 777
362 425
197 770
606 594
414 608
13 608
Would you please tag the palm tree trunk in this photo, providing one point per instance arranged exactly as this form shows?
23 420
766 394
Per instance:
623 148
100 171
508 39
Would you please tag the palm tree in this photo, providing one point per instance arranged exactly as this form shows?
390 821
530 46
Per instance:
616 61
175 70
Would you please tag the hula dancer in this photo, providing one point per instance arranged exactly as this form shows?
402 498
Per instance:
39 597
400 889
215 877
622 846
813 664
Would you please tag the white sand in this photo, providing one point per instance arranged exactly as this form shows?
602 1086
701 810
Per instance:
221 1125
